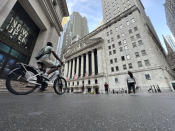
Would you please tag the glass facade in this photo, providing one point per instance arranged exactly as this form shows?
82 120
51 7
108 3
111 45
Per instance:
18 35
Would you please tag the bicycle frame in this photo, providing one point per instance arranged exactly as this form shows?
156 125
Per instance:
39 73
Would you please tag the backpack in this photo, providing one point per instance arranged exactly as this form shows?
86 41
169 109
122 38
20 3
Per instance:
41 53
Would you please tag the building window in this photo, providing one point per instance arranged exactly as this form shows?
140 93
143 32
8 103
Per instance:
108 41
110 31
112 69
113 46
110 53
123 58
130 65
130 31
124 41
121 26
133 20
96 81
109 47
114 51
117 68
137 54
124 67
136 28
115 60
121 49
116 80
118 36
119 43
134 45
132 38
111 61
140 64
128 57
143 52
77 83
147 76
126 47
107 33
147 63
138 36
140 42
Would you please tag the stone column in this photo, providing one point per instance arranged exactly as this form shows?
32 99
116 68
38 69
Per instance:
93 63
82 65
77 70
69 74
65 69
87 64
73 67
99 59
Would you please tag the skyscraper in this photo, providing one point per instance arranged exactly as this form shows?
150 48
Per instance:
76 28
170 43
170 14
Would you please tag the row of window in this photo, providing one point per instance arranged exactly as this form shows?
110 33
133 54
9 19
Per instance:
134 44
130 66
137 54
132 38
118 36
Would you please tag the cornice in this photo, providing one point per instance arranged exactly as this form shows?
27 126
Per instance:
82 45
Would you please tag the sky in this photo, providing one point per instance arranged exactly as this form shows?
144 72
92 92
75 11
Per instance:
92 10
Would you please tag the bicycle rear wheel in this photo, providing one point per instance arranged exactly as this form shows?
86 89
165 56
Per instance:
18 84
60 86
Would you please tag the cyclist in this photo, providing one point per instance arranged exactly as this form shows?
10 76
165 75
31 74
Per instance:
44 56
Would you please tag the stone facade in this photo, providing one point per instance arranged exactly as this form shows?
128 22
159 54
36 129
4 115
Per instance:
125 42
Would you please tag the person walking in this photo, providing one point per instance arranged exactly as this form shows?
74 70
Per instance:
106 87
131 82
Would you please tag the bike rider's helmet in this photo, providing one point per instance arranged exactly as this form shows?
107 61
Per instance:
49 44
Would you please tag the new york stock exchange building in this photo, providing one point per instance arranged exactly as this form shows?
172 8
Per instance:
25 27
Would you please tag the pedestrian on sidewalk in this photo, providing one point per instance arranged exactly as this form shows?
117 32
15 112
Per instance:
106 87
131 82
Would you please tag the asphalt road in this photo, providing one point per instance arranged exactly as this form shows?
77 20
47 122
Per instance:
50 112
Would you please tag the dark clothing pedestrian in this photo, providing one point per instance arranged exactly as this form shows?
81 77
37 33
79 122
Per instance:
131 82
106 88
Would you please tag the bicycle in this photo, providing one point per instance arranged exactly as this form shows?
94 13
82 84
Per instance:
25 79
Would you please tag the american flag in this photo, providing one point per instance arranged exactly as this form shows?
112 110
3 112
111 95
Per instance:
75 76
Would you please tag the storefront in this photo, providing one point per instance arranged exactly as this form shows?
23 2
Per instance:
18 35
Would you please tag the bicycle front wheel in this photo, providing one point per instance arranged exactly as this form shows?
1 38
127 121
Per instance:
18 84
60 86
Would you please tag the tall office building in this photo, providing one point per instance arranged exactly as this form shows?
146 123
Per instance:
170 43
125 42
170 14
76 28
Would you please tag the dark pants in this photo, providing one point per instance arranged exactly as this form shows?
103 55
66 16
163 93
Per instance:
131 86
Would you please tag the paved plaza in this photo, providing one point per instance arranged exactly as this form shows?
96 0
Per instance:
78 112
